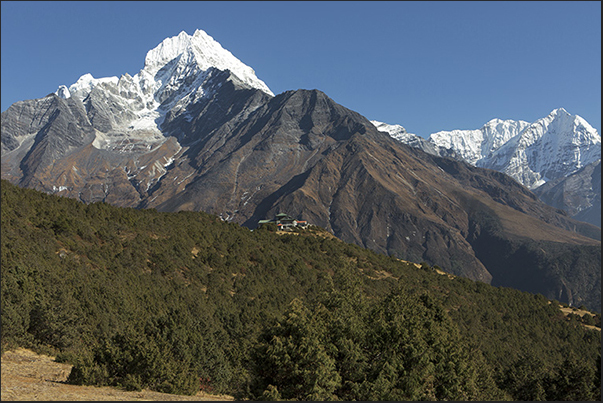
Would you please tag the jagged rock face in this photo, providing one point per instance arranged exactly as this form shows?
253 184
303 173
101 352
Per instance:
51 149
37 133
128 130
579 194
254 154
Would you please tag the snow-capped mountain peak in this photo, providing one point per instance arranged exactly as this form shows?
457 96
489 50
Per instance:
399 133
205 52
193 53
176 73
554 146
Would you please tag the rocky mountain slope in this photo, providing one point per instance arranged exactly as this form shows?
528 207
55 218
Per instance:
185 135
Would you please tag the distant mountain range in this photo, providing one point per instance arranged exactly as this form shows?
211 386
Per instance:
534 154
195 129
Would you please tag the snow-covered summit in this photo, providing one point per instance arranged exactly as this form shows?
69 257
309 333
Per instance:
399 133
176 73
86 82
533 153
199 52
552 147
205 52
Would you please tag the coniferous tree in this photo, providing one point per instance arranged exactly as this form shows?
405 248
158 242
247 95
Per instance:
294 356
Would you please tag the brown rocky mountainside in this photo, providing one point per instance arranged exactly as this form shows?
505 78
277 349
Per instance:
246 156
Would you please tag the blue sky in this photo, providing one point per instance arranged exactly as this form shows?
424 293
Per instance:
428 66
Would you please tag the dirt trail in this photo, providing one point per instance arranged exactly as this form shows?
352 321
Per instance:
30 376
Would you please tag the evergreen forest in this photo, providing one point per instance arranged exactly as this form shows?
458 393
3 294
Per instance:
182 302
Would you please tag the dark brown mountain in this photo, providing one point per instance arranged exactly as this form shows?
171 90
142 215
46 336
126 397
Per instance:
246 156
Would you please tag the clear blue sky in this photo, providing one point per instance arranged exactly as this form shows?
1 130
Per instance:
428 66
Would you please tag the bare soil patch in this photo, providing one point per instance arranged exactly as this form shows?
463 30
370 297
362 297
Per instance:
30 376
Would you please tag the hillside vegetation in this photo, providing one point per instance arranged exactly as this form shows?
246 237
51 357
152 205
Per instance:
177 302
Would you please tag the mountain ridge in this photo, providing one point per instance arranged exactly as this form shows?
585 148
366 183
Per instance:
534 154
243 154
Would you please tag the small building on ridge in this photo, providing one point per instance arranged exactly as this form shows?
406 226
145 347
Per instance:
284 222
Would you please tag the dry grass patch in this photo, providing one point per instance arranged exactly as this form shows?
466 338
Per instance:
580 312
30 376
